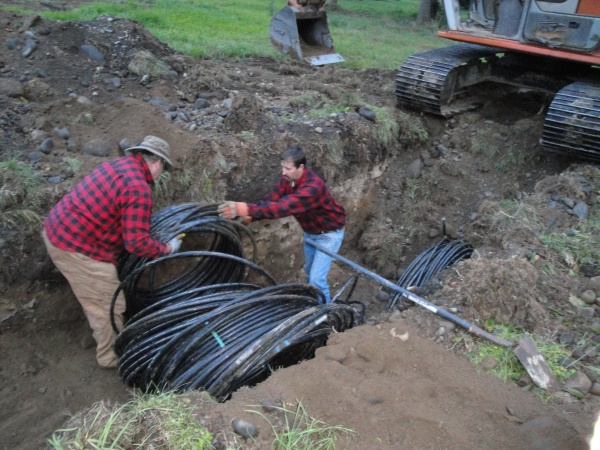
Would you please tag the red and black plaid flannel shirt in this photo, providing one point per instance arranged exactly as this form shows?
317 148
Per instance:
309 201
108 211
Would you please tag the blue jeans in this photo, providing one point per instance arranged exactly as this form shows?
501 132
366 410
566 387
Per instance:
317 264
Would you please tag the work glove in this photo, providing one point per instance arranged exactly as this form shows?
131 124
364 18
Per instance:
175 243
231 210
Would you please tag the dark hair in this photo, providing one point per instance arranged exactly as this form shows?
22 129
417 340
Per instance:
294 154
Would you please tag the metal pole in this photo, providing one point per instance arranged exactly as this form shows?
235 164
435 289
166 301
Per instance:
414 298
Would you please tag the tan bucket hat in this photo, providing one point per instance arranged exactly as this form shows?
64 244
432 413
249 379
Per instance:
154 145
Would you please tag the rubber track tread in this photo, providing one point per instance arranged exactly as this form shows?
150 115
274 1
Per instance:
572 124
421 80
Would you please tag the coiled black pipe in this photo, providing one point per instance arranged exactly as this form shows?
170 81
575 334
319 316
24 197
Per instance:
433 260
204 230
218 342
196 321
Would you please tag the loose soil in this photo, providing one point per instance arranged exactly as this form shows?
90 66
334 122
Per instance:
400 380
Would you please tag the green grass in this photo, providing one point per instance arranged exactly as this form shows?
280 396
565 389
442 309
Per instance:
509 367
378 34
20 194
580 248
302 432
164 421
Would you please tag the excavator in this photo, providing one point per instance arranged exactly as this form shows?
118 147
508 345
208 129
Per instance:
300 30
552 46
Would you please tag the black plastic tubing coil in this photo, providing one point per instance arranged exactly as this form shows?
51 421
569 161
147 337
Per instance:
430 262
207 318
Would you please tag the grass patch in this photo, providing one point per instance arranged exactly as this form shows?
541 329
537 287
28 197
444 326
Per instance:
378 34
413 187
486 143
164 421
72 165
412 130
145 63
386 128
300 431
162 184
509 367
578 247
20 196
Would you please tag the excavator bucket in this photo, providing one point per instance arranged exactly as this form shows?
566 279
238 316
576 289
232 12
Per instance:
303 35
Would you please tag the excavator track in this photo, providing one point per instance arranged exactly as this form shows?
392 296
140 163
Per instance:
431 80
572 124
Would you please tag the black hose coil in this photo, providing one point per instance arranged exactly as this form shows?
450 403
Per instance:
430 262
210 319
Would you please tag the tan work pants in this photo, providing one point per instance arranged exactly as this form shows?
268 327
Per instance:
94 284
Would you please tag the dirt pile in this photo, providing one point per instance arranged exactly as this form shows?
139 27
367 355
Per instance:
70 99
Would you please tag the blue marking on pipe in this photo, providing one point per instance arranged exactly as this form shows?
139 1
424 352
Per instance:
218 338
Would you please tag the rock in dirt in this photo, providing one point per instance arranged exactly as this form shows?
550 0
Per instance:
244 428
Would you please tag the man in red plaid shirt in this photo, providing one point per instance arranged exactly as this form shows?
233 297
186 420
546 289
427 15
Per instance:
302 194
108 212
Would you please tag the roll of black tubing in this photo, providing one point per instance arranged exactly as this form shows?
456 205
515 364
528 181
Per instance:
162 318
192 357
193 327
133 277
431 261
225 236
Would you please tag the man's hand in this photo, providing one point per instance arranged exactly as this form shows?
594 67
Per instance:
245 220
231 210
175 243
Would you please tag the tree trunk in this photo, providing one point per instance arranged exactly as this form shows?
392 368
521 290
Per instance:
424 16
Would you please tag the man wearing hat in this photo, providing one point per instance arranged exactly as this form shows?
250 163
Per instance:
107 212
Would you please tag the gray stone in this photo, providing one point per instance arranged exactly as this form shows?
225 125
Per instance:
97 147
595 389
201 103
244 428
71 146
569 202
126 143
581 210
441 149
578 381
34 157
594 285
11 88
367 113
382 296
38 135
29 47
268 405
112 82
55 179
159 102
588 297
586 312
12 43
413 170
62 133
46 146
92 52
30 21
